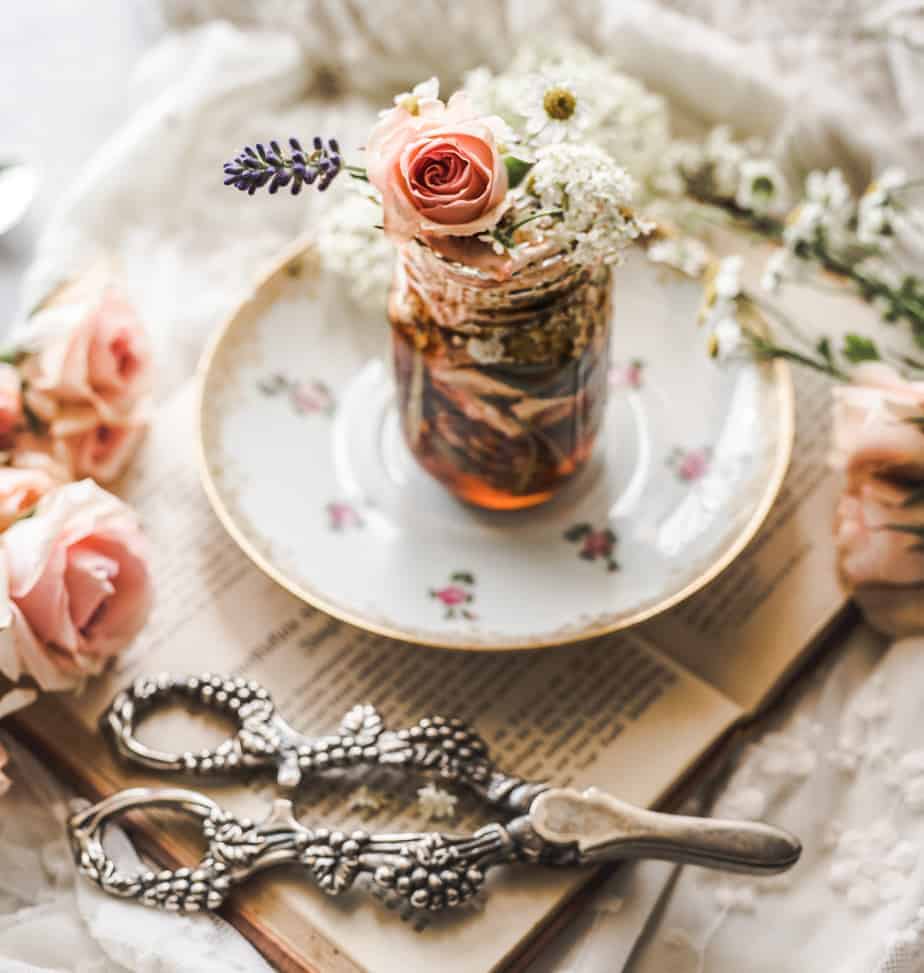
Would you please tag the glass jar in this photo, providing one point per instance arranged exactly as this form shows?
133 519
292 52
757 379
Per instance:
501 384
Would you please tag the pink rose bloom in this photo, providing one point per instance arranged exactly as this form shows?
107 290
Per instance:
452 595
11 414
872 434
869 551
87 348
79 586
437 166
98 449
20 492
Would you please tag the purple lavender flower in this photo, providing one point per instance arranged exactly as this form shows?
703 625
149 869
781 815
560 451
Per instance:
268 165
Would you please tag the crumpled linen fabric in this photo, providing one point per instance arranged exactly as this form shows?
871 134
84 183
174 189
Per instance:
189 250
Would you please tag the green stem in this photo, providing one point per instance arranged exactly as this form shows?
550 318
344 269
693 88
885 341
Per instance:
357 172
506 236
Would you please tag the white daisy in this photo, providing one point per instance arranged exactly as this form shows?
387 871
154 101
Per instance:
555 108
761 186
421 96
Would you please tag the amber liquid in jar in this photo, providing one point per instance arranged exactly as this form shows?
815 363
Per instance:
501 384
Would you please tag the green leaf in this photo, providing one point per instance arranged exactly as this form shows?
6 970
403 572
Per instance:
859 349
916 420
516 170
824 349
914 497
916 530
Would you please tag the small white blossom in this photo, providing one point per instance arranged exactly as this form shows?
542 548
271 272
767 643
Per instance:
613 111
422 96
593 195
761 186
725 158
436 803
828 189
555 107
877 210
727 282
802 227
686 254
775 271
726 339
351 246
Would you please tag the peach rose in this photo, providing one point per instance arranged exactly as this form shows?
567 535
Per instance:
86 346
20 492
870 550
95 448
872 434
79 586
883 567
437 166
11 412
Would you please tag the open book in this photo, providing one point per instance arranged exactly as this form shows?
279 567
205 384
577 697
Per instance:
631 713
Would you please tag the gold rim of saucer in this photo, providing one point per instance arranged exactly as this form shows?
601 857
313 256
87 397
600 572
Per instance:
262 295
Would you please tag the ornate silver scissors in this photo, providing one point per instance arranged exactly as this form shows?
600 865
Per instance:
417 871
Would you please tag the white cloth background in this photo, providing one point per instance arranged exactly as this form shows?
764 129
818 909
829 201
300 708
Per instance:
845 770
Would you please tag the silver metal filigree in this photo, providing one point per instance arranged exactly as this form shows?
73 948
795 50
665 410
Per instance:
417 871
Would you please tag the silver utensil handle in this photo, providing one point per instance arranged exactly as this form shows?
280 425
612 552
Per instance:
601 828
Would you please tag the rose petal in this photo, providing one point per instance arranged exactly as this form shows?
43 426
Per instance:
88 579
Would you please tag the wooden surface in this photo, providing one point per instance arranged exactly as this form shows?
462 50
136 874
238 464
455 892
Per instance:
63 70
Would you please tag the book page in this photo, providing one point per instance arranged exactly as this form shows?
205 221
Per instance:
614 713
745 631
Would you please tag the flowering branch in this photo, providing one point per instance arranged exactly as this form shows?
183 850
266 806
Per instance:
259 166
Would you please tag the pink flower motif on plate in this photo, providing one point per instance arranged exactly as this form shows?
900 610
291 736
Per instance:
457 596
630 375
595 543
690 465
306 397
341 516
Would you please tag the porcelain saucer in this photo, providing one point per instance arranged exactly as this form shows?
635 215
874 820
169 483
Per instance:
303 462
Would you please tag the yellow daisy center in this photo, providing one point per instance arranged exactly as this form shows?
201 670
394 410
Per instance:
559 103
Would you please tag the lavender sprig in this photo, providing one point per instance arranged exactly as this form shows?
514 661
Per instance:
258 166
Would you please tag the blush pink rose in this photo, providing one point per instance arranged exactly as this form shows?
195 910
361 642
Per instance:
20 492
11 412
869 551
79 586
86 346
437 166
95 448
872 434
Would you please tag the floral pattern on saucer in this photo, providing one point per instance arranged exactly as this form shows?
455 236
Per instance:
457 596
307 397
690 465
595 543
627 375
342 516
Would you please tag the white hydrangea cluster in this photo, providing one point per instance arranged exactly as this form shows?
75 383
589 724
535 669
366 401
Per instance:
570 94
589 195
351 244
